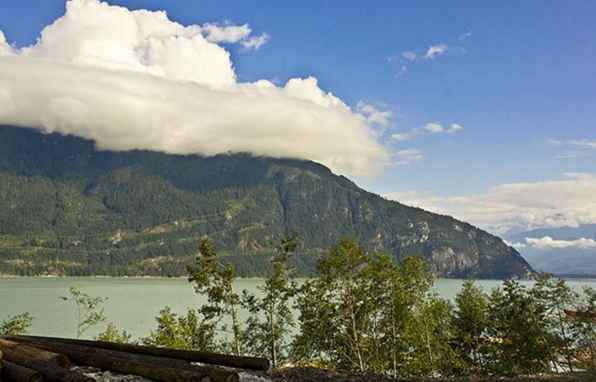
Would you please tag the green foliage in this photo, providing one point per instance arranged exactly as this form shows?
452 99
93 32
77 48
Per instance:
522 341
269 326
365 313
113 334
89 311
470 324
556 297
189 332
584 331
16 325
429 336
215 281
69 209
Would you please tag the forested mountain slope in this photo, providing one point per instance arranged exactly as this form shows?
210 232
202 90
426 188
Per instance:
67 208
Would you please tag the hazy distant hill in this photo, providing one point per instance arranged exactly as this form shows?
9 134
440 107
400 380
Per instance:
572 260
66 208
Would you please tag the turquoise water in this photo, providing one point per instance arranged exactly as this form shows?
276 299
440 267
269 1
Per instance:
132 303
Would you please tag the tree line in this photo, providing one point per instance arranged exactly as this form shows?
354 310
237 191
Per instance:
366 313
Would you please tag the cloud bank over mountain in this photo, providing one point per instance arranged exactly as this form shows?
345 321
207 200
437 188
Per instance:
516 207
137 80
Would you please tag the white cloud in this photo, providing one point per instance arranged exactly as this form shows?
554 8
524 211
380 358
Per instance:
433 127
454 128
405 157
574 148
409 55
5 48
429 128
548 242
518 207
256 42
464 36
584 143
136 80
435 51
401 72
226 33
373 114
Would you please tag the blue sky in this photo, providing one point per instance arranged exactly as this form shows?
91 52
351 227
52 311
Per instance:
520 77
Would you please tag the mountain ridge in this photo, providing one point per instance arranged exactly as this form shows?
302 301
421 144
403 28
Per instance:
71 209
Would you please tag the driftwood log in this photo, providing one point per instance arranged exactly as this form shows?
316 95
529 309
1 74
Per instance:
52 373
248 363
156 368
16 373
15 351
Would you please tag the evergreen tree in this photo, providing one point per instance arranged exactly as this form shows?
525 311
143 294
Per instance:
556 296
470 322
521 340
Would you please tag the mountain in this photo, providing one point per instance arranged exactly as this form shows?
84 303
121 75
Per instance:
68 208
575 253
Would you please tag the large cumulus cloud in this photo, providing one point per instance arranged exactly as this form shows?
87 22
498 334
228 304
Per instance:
136 80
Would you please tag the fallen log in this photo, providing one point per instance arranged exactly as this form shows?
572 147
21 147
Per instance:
52 373
159 369
248 363
16 373
14 351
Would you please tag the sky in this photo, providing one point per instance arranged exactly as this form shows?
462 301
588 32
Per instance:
484 111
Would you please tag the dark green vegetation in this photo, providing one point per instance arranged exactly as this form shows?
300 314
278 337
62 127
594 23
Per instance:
366 314
69 209
15 325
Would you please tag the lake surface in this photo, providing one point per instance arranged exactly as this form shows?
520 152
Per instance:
133 303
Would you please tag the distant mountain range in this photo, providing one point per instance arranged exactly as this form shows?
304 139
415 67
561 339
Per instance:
565 250
69 209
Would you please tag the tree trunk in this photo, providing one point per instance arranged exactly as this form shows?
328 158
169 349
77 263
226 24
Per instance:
160 369
273 337
16 373
14 351
51 372
249 363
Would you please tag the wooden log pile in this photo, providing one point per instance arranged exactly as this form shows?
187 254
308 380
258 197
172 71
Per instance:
30 358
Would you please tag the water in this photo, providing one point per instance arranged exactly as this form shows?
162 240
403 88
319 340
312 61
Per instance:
133 303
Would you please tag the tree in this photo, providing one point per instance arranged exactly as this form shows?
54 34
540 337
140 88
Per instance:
521 340
188 332
359 314
428 335
113 334
16 325
470 322
89 310
556 296
271 320
406 287
215 281
336 309
584 330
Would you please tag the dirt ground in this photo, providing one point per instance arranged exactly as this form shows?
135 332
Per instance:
318 375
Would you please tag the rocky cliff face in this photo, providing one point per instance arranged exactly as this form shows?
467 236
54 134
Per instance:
68 208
